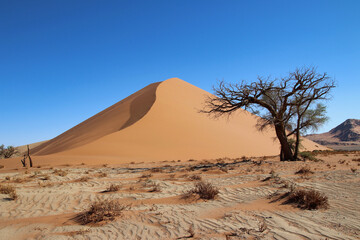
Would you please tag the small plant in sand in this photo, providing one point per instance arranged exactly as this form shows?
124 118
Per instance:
102 210
204 190
195 177
146 175
305 170
113 188
1 166
353 170
308 156
82 179
102 175
155 187
60 172
309 199
10 190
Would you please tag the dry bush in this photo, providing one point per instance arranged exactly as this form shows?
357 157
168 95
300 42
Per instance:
101 175
308 156
60 172
82 179
353 170
7 178
113 188
204 190
1 166
99 211
21 180
308 199
356 160
195 177
7 189
10 190
341 161
155 187
305 170
146 175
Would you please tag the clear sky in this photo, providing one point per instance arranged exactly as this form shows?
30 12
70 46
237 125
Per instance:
63 61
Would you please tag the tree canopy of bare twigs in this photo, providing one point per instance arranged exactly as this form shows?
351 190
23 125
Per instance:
292 104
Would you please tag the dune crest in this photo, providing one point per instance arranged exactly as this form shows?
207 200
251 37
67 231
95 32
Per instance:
115 118
162 122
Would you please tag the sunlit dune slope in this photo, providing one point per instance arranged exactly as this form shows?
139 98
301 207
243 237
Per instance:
162 122
115 118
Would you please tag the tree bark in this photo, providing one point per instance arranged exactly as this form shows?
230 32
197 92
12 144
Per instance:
285 147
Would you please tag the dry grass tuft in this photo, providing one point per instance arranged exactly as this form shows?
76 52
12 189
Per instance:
155 187
10 190
99 211
195 177
353 170
102 175
60 172
82 179
309 199
113 188
146 175
204 190
304 171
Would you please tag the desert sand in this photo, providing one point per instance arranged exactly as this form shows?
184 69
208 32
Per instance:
155 145
245 208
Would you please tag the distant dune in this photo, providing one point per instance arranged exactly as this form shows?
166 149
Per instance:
345 136
160 122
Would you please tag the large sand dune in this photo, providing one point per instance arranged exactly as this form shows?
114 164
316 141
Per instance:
162 122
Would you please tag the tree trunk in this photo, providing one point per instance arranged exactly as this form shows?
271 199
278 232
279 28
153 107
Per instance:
297 144
285 147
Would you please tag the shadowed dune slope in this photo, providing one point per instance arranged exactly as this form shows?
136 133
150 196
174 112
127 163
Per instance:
172 129
115 118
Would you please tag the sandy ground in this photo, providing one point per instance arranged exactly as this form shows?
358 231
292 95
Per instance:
244 209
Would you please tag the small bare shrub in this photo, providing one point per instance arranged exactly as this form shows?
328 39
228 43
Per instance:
308 199
304 171
155 187
7 189
10 190
113 188
1 166
101 175
60 172
353 170
195 177
82 179
101 211
146 175
204 190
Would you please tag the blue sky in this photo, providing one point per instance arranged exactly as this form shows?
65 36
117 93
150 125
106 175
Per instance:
63 61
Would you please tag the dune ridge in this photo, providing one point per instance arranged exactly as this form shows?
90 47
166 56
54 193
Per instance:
115 118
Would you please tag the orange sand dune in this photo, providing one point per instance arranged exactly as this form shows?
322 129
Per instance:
162 122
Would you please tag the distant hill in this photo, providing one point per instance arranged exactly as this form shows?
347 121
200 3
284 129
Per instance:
345 136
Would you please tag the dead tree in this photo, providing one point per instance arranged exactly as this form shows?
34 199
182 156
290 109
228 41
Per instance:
28 155
23 161
282 103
